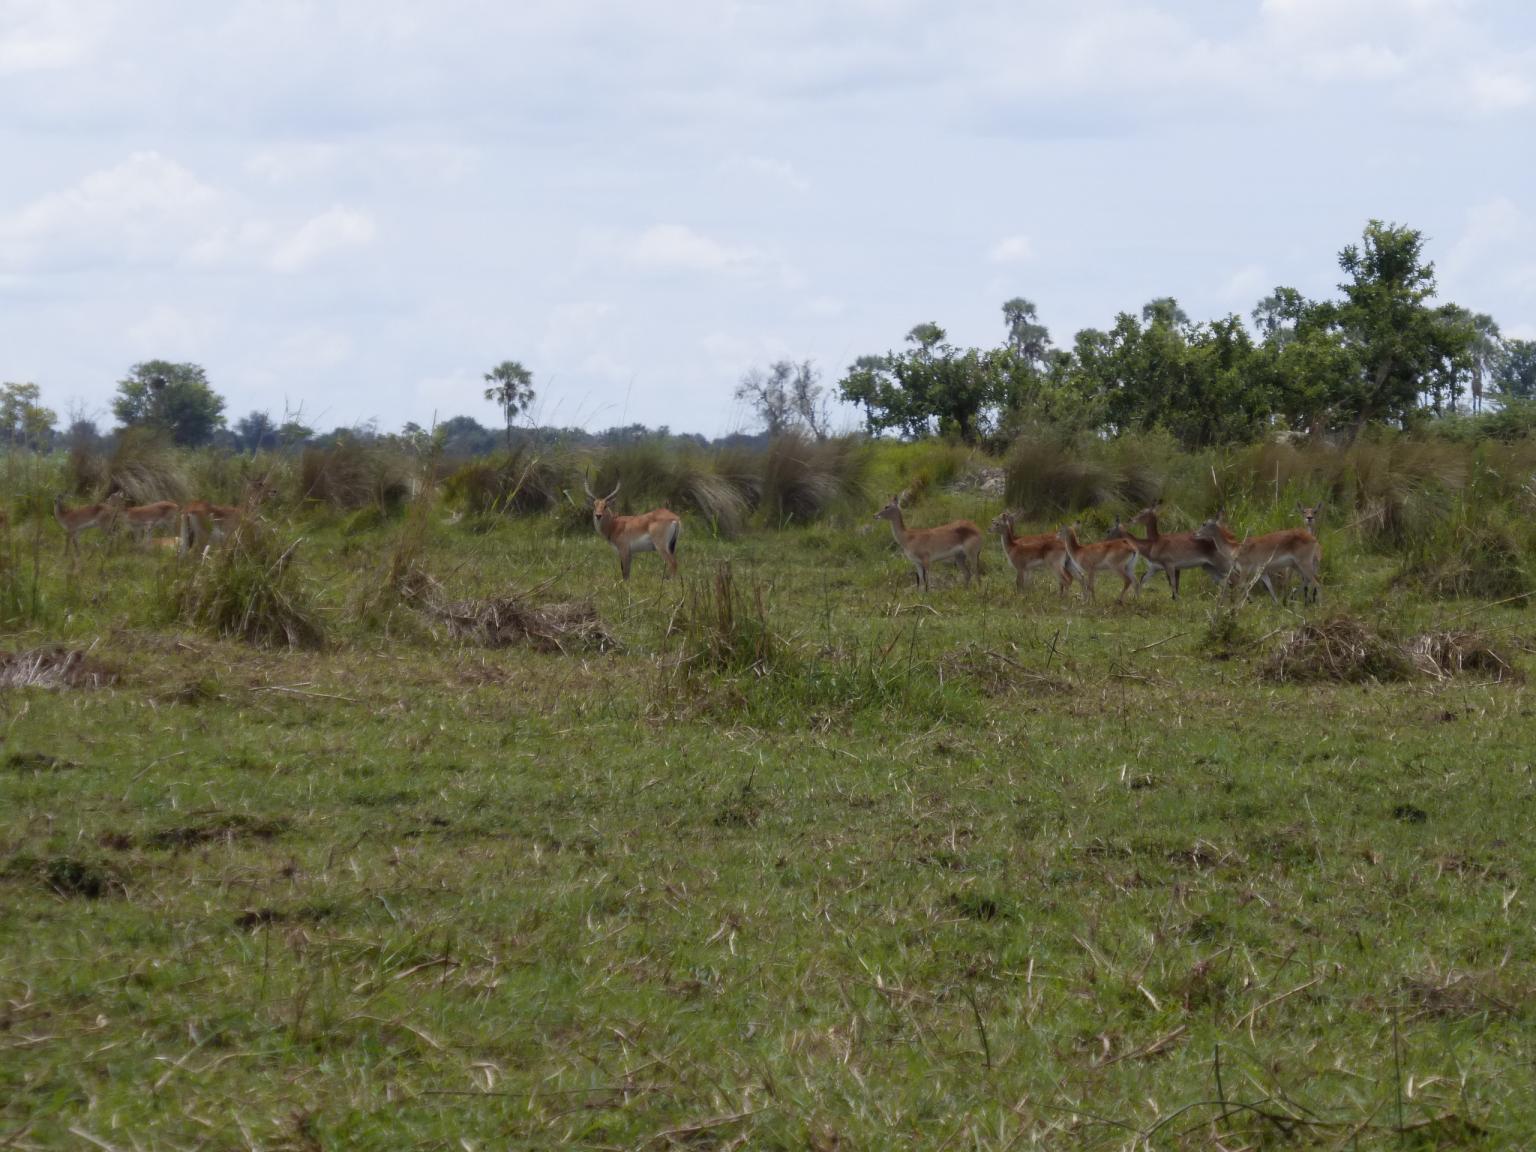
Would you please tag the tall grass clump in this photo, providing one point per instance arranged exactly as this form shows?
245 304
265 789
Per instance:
685 481
353 473
1482 554
805 479
722 627
249 589
920 468
525 481
143 464
1047 475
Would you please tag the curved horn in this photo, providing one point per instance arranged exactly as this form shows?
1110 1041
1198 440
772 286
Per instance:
587 488
612 494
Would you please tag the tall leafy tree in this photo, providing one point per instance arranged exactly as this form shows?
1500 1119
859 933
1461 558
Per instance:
1386 318
511 390
786 395
173 398
932 386
1027 337
1515 373
255 431
1164 311
23 418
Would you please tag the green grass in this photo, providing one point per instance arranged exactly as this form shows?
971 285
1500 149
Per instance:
975 870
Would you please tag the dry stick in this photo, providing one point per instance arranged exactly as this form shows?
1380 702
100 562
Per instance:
1155 643
701 1126
1249 1016
300 692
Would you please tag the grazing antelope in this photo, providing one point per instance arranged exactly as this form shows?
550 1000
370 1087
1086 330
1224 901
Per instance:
1258 557
1026 553
1174 552
959 540
1116 554
76 520
144 520
204 524
654 531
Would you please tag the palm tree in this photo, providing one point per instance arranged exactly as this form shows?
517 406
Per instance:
511 387
1485 352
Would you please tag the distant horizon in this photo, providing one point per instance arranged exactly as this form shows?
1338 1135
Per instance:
359 211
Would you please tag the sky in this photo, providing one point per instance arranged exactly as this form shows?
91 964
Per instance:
351 210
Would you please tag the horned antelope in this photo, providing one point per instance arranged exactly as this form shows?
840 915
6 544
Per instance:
1116 554
1174 552
654 531
1257 558
204 524
959 540
144 520
1026 553
76 520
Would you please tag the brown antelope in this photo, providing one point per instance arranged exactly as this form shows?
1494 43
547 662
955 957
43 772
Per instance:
1256 558
204 525
76 520
1026 553
1174 552
144 520
1112 555
959 540
654 531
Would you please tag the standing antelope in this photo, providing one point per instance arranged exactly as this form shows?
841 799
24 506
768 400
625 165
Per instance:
1256 558
145 519
654 531
204 524
1026 553
1116 554
959 540
76 520
1174 552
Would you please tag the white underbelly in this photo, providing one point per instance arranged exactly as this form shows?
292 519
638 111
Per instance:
642 543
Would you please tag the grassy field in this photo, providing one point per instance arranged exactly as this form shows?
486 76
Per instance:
857 869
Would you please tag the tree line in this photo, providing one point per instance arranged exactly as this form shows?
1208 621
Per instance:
1381 352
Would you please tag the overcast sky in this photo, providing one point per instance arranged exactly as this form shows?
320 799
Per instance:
360 207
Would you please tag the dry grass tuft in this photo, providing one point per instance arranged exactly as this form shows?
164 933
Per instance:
53 668
1341 650
508 620
1443 654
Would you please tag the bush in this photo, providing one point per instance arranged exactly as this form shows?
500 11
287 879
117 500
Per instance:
1482 555
523 482
143 465
805 479
249 589
354 473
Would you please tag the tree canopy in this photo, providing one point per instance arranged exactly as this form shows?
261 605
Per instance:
173 398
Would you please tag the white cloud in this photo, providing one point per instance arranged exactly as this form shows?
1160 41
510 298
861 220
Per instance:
173 334
775 171
826 307
1247 283
151 211
148 209
332 231
676 248
1499 91
38 36
1012 250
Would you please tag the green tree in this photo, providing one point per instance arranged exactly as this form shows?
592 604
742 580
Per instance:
932 386
511 390
23 419
1164 311
1027 337
1515 373
1386 319
174 398
255 431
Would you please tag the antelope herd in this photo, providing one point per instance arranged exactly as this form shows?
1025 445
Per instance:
1236 563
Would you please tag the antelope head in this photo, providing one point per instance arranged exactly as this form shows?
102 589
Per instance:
602 506
1308 513
891 511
